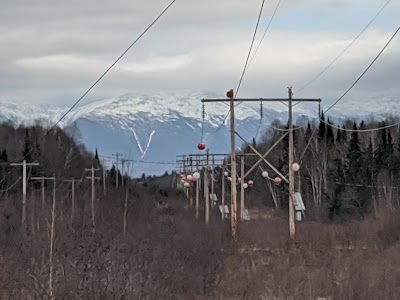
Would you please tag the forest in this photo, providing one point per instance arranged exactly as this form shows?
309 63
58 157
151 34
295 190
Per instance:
141 241
347 171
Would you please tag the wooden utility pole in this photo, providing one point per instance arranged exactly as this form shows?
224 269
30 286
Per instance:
123 161
42 180
291 171
24 164
207 192
223 190
241 189
93 178
42 188
72 181
233 169
191 189
212 181
232 101
117 156
52 229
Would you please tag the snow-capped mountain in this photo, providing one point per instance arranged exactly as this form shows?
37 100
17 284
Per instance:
157 127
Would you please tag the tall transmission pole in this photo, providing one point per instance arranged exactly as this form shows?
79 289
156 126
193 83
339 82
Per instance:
233 167
232 101
291 171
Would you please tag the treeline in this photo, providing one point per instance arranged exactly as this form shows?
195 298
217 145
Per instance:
55 152
344 174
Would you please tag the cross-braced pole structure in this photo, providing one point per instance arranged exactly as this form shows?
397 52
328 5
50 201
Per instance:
232 100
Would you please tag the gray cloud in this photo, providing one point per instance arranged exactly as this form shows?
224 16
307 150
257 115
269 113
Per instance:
53 52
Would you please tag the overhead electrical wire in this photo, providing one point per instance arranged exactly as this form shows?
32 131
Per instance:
251 47
265 33
113 64
340 98
365 71
360 130
345 49
245 65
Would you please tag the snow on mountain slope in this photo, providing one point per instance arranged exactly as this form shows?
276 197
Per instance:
157 127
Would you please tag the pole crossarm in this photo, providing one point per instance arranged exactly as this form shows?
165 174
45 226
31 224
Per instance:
261 99
73 180
43 178
21 164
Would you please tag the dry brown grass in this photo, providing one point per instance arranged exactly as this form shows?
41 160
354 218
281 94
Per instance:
167 254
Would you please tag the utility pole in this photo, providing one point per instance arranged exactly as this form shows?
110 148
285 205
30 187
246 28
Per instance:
42 180
117 156
223 190
232 101
123 161
241 189
191 189
207 192
93 178
212 181
52 229
42 187
233 168
24 164
197 198
72 181
291 171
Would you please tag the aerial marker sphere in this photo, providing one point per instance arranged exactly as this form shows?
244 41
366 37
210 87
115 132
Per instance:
230 94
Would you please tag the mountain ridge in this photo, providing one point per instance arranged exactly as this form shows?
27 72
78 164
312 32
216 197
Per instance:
157 127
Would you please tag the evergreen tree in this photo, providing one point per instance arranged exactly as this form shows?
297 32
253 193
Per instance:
336 208
308 130
96 156
338 136
382 157
26 152
344 135
4 156
357 198
330 138
322 127
354 156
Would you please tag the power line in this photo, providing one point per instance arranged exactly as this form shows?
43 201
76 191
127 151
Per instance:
365 71
154 162
113 64
265 33
344 50
10 187
360 130
246 63
251 47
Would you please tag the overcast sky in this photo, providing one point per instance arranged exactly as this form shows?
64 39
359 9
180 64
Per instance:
52 51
